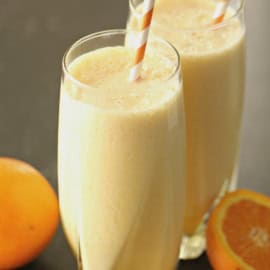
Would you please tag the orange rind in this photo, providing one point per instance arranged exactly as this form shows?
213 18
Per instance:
29 213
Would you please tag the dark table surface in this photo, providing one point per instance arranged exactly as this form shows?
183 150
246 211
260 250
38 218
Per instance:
33 37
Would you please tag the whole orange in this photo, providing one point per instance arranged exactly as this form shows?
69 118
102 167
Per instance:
29 213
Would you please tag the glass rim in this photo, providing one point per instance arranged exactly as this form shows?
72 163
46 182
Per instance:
112 32
241 7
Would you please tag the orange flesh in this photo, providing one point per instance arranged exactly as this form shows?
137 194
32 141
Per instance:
247 230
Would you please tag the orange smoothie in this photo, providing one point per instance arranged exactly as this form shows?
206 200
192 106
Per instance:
213 65
122 162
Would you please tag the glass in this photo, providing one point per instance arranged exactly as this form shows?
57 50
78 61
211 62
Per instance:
121 156
213 65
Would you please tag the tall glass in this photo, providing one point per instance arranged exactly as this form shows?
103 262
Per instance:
122 154
213 65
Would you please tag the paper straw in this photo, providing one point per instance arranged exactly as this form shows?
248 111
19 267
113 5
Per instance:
220 11
145 21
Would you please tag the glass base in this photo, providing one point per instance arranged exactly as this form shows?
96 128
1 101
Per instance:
192 246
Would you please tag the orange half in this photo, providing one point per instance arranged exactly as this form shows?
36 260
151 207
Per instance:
238 232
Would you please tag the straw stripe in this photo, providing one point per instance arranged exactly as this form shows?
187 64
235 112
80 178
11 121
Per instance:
141 40
140 54
147 19
135 70
220 11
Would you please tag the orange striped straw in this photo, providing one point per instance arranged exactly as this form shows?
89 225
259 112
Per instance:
220 11
146 17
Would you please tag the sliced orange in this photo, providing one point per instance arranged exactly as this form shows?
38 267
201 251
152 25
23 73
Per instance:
238 232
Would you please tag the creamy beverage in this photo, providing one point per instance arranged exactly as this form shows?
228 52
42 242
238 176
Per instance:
213 64
122 161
